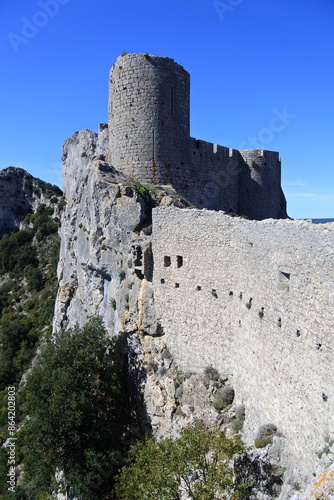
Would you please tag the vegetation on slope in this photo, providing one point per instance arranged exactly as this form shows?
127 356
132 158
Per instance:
78 410
28 285
28 261
199 464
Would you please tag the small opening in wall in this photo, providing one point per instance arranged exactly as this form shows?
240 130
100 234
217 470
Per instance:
249 303
214 293
177 285
139 256
230 293
179 260
284 281
298 334
148 263
167 261
279 322
162 281
198 288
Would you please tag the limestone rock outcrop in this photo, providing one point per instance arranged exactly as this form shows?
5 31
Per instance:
21 194
105 265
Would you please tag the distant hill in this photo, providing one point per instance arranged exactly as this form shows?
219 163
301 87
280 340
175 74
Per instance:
321 221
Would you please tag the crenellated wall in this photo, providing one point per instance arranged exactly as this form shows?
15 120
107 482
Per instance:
254 300
260 181
149 138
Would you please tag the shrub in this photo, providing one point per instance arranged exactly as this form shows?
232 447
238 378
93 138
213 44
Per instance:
35 278
143 191
78 410
113 304
162 470
224 397
263 441
211 373
265 435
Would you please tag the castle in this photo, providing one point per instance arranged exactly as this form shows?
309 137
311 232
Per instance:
149 139
252 299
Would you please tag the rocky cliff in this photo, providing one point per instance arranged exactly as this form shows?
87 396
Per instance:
21 194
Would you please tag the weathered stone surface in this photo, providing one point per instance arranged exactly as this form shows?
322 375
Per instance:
21 194
284 267
149 117
106 262
208 302
188 281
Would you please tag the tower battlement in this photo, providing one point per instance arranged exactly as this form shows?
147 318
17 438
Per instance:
149 140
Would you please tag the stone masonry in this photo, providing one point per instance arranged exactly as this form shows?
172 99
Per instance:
149 117
253 300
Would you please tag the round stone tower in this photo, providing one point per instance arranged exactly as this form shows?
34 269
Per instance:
149 101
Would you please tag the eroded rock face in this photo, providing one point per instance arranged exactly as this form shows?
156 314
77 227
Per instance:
105 257
21 194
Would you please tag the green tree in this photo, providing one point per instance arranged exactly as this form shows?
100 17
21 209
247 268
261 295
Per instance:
78 410
198 464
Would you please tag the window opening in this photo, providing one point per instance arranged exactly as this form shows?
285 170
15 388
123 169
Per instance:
167 261
139 256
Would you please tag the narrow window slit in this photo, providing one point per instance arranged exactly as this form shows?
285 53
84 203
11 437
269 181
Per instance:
167 261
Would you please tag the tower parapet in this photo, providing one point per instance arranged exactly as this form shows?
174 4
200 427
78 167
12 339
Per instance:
261 184
149 141
148 116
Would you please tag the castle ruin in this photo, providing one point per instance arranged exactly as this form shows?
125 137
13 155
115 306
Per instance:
149 138
250 298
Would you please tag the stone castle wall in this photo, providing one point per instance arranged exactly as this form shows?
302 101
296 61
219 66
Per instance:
149 138
254 300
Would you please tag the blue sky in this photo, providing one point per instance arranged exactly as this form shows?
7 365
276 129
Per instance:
262 75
